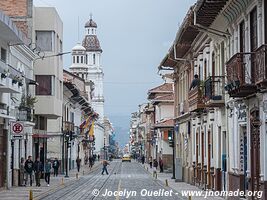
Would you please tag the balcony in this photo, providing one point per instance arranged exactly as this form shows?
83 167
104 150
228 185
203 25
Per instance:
261 67
25 114
7 85
68 126
240 82
195 99
214 94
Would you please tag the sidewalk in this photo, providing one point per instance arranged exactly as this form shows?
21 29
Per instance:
180 187
22 193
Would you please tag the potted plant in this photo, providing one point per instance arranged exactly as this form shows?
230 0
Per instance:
20 83
4 74
15 79
30 101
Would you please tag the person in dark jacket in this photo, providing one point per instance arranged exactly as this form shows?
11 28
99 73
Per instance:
155 164
78 162
47 171
161 165
143 159
150 162
195 82
105 164
28 166
55 166
91 162
38 168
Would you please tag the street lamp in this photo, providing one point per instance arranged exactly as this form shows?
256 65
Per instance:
105 148
67 136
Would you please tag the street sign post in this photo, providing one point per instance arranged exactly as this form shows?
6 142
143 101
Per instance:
17 137
17 128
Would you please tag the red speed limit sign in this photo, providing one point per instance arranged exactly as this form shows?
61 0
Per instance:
17 128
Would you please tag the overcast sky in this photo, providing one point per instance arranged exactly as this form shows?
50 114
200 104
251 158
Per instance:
135 35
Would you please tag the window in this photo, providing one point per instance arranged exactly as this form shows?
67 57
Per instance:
242 36
253 29
3 55
45 40
93 58
73 59
40 122
78 59
253 40
44 86
72 117
86 59
81 59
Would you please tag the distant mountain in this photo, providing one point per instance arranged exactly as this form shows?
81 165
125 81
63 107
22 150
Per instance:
121 124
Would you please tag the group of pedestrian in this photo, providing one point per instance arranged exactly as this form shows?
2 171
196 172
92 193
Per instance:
36 168
154 163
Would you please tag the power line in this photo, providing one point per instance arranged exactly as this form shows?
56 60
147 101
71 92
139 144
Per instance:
129 83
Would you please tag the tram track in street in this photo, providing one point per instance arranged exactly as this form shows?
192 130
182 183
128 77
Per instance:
82 188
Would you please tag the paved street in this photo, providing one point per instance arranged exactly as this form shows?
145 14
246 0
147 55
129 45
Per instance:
131 179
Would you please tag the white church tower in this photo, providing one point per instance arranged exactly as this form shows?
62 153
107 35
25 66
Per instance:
95 71
86 63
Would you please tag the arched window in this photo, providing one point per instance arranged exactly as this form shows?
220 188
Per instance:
93 58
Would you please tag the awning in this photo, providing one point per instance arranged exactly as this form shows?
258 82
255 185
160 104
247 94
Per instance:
40 136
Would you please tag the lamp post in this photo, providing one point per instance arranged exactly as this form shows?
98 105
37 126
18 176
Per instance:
67 138
105 148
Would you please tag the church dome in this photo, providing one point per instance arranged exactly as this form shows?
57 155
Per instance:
90 23
91 43
78 47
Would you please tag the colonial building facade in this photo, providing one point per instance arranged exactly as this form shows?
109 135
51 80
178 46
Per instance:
218 64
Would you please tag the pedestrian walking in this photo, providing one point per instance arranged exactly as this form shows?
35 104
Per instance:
28 166
161 165
91 162
38 168
105 164
155 164
78 162
98 157
47 171
55 166
143 159
150 161
21 173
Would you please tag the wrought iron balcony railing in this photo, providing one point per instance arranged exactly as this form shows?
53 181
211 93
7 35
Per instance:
240 75
214 91
260 67
195 99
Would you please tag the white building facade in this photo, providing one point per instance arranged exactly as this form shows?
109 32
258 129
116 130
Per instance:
86 63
